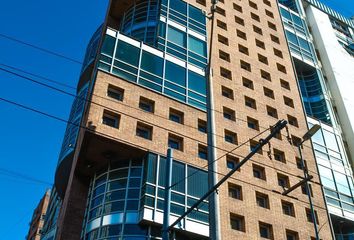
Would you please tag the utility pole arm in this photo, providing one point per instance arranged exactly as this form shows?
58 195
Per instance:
277 127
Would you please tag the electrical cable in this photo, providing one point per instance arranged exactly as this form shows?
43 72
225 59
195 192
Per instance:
120 112
40 48
108 136
108 99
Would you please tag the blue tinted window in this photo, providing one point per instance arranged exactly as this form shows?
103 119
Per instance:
108 45
162 29
291 37
285 13
197 45
176 36
197 182
331 141
196 82
151 63
127 53
179 6
304 44
196 14
175 73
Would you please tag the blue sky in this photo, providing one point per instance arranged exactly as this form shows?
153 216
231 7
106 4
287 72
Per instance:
30 143
345 7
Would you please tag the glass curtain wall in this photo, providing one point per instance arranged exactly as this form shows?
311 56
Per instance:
140 21
334 169
174 64
118 193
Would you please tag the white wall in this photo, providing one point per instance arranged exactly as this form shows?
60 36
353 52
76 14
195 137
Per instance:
338 67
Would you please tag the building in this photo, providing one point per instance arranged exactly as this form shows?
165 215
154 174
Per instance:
36 224
143 88
50 221
321 46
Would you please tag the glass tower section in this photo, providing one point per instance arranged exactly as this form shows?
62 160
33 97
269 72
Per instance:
306 64
334 168
140 21
129 191
174 65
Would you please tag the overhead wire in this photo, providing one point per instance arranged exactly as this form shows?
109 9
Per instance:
17 175
73 60
40 48
108 99
101 133
79 62
120 112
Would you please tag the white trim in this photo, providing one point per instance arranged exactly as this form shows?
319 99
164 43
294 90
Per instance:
129 40
197 35
162 19
111 32
176 25
152 50
175 60
196 69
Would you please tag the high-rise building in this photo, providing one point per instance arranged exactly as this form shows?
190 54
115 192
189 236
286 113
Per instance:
37 221
321 43
144 88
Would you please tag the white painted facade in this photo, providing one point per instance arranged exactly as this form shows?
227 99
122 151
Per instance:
338 66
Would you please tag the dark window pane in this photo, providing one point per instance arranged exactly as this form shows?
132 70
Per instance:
175 73
176 36
127 53
108 45
151 63
196 45
197 82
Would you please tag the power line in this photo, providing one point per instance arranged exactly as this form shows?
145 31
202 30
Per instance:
41 49
11 173
227 152
124 141
120 112
68 58
38 76
106 135
109 99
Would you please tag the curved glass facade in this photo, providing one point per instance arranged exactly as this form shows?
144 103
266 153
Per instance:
73 127
113 203
124 194
140 21
170 55
312 95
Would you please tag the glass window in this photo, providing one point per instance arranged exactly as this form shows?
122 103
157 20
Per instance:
196 14
132 229
326 177
179 6
177 176
342 183
304 44
291 37
196 45
331 141
127 53
317 138
176 36
108 45
151 63
197 82
111 230
175 73
197 183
